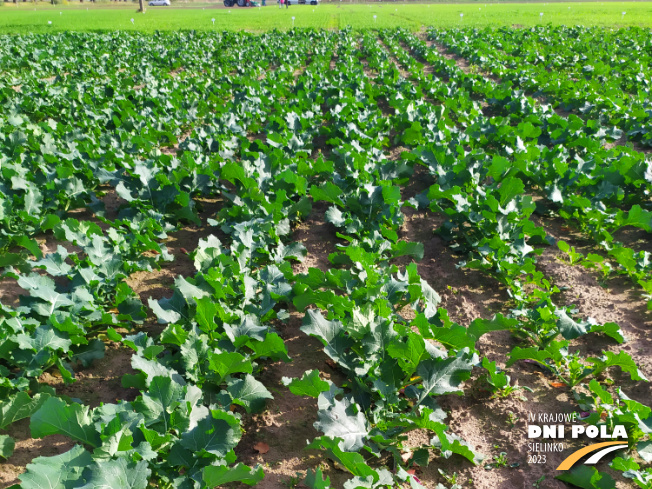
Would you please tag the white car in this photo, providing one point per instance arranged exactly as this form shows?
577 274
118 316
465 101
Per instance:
159 3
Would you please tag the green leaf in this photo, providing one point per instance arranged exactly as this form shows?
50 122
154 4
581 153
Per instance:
189 291
610 329
344 420
30 244
352 461
20 406
7 445
587 478
217 434
409 350
73 421
531 353
637 217
221 474
600 392
159 401
44 338
569 328
450 443
443 376
271 347
250 393
85 354
228 363
164 315
316 480
58 472
644 449
431 298
499 322
622 360
315 324
328 192
310 384
408 248
119 473
510 187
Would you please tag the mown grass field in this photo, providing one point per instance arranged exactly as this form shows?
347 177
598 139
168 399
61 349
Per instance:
106 17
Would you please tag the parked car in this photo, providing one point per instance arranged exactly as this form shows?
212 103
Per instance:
302 2
159 3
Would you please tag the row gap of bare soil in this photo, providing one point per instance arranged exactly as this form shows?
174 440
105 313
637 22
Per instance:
276 438
494 425
490 425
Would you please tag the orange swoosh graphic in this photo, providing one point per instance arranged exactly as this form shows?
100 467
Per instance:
575 456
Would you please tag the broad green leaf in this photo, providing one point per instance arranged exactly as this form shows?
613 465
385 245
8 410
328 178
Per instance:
217 434
610 329
315 324
531 353
217 475
271 347
587 478
7 445
118 473
510 187
450 444
159 401
569 328
58 472
316 479
622 360
20 406
310 384
344 420
480 326
328 192
443 376
409 350
644 449
228 363
73 421
352 461
250 393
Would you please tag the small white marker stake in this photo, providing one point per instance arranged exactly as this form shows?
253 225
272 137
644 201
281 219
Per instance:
49 22
60 13
292 19
132 21
461 16
374 19
213 20
541 15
